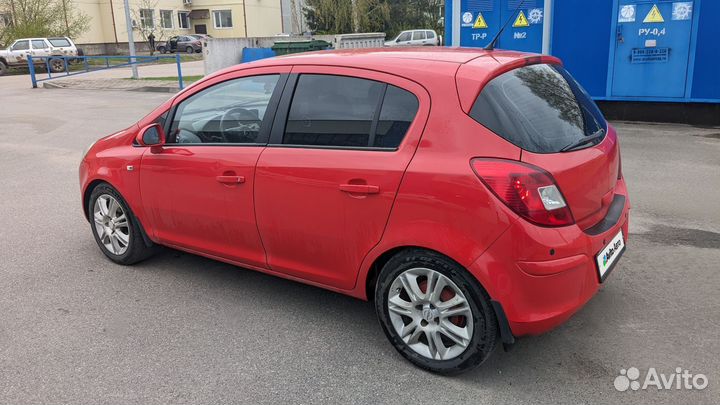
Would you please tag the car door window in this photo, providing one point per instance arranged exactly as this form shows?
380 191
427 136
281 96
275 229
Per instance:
430 34
405 36
39 44
21 46
331 110
398 112
231 112
341 111
418 35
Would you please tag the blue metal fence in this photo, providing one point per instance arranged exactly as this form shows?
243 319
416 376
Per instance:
64 66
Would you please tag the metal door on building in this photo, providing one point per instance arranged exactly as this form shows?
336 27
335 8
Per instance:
480 21
652 48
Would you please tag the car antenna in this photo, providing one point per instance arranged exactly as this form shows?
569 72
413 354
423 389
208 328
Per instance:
491 45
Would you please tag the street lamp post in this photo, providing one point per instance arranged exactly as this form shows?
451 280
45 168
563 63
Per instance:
131 40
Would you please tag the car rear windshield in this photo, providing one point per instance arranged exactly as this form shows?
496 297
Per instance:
59 42
539 108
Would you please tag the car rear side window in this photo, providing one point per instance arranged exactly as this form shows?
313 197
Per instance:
398 111
539 108
39 44
341 111
59 42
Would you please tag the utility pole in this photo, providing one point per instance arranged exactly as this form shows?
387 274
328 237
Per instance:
131 40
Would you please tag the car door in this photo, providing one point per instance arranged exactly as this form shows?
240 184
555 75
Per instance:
405 38
419 38
19 51
198 188
325 184
39 48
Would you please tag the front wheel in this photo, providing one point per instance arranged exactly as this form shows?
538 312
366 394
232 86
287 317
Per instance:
115 228
434 312
3 69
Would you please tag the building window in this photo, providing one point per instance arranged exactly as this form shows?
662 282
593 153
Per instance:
147 18
222 19
166 18
183 22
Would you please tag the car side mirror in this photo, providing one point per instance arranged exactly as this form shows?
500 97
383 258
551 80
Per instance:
151 135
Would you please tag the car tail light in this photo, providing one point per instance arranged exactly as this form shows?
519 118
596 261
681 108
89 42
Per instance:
196 43
619 166
527 190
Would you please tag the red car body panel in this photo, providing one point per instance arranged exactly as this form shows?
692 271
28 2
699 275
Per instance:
303 213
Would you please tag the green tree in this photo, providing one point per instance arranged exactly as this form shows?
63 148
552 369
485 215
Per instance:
41 18
329 16
373 15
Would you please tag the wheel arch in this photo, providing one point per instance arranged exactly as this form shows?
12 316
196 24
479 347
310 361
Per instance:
86 201
383 258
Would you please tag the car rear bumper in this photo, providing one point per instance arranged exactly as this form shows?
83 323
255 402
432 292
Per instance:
542 276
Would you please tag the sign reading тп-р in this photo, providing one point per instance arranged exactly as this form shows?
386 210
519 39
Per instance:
480 21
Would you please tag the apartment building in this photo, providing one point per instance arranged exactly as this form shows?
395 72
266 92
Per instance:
165 18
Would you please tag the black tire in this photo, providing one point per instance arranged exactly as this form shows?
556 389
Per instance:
137 250
190 50
162 50
485 325
57 65
3 68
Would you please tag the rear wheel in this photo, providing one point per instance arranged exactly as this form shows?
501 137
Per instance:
115 228
190 50
434 312
57 65
162 49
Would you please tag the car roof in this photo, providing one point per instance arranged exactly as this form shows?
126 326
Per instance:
382 57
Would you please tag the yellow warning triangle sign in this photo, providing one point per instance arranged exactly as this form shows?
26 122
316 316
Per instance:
521 21
480 22
654 15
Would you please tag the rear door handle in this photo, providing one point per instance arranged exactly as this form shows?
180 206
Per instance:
231 179
359 188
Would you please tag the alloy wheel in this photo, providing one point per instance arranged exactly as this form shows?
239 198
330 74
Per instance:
430 314
111 224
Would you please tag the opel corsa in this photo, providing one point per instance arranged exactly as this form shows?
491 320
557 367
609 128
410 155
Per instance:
475 196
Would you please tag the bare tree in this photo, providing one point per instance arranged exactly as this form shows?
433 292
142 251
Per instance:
148 20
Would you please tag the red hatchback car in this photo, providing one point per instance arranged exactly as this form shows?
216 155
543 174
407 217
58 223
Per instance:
475 196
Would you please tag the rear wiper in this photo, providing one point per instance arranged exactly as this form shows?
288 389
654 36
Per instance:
598 134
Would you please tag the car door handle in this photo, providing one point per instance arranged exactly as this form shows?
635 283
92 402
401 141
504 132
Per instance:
231 179
359 188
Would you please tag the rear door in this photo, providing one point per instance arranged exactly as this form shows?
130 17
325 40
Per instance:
327 181
419 38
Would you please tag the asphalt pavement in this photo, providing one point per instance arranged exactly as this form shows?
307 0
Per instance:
76 328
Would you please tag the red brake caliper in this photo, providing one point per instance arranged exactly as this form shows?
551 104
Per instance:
445 295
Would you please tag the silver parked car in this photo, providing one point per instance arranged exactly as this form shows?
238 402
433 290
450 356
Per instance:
416 38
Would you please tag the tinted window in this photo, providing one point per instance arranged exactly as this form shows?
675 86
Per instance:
230 112
59 42
418 35
539 108
397 113
405 36
332 111
21 45
39 44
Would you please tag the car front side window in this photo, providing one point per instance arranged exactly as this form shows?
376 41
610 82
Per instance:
21 46
231 112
